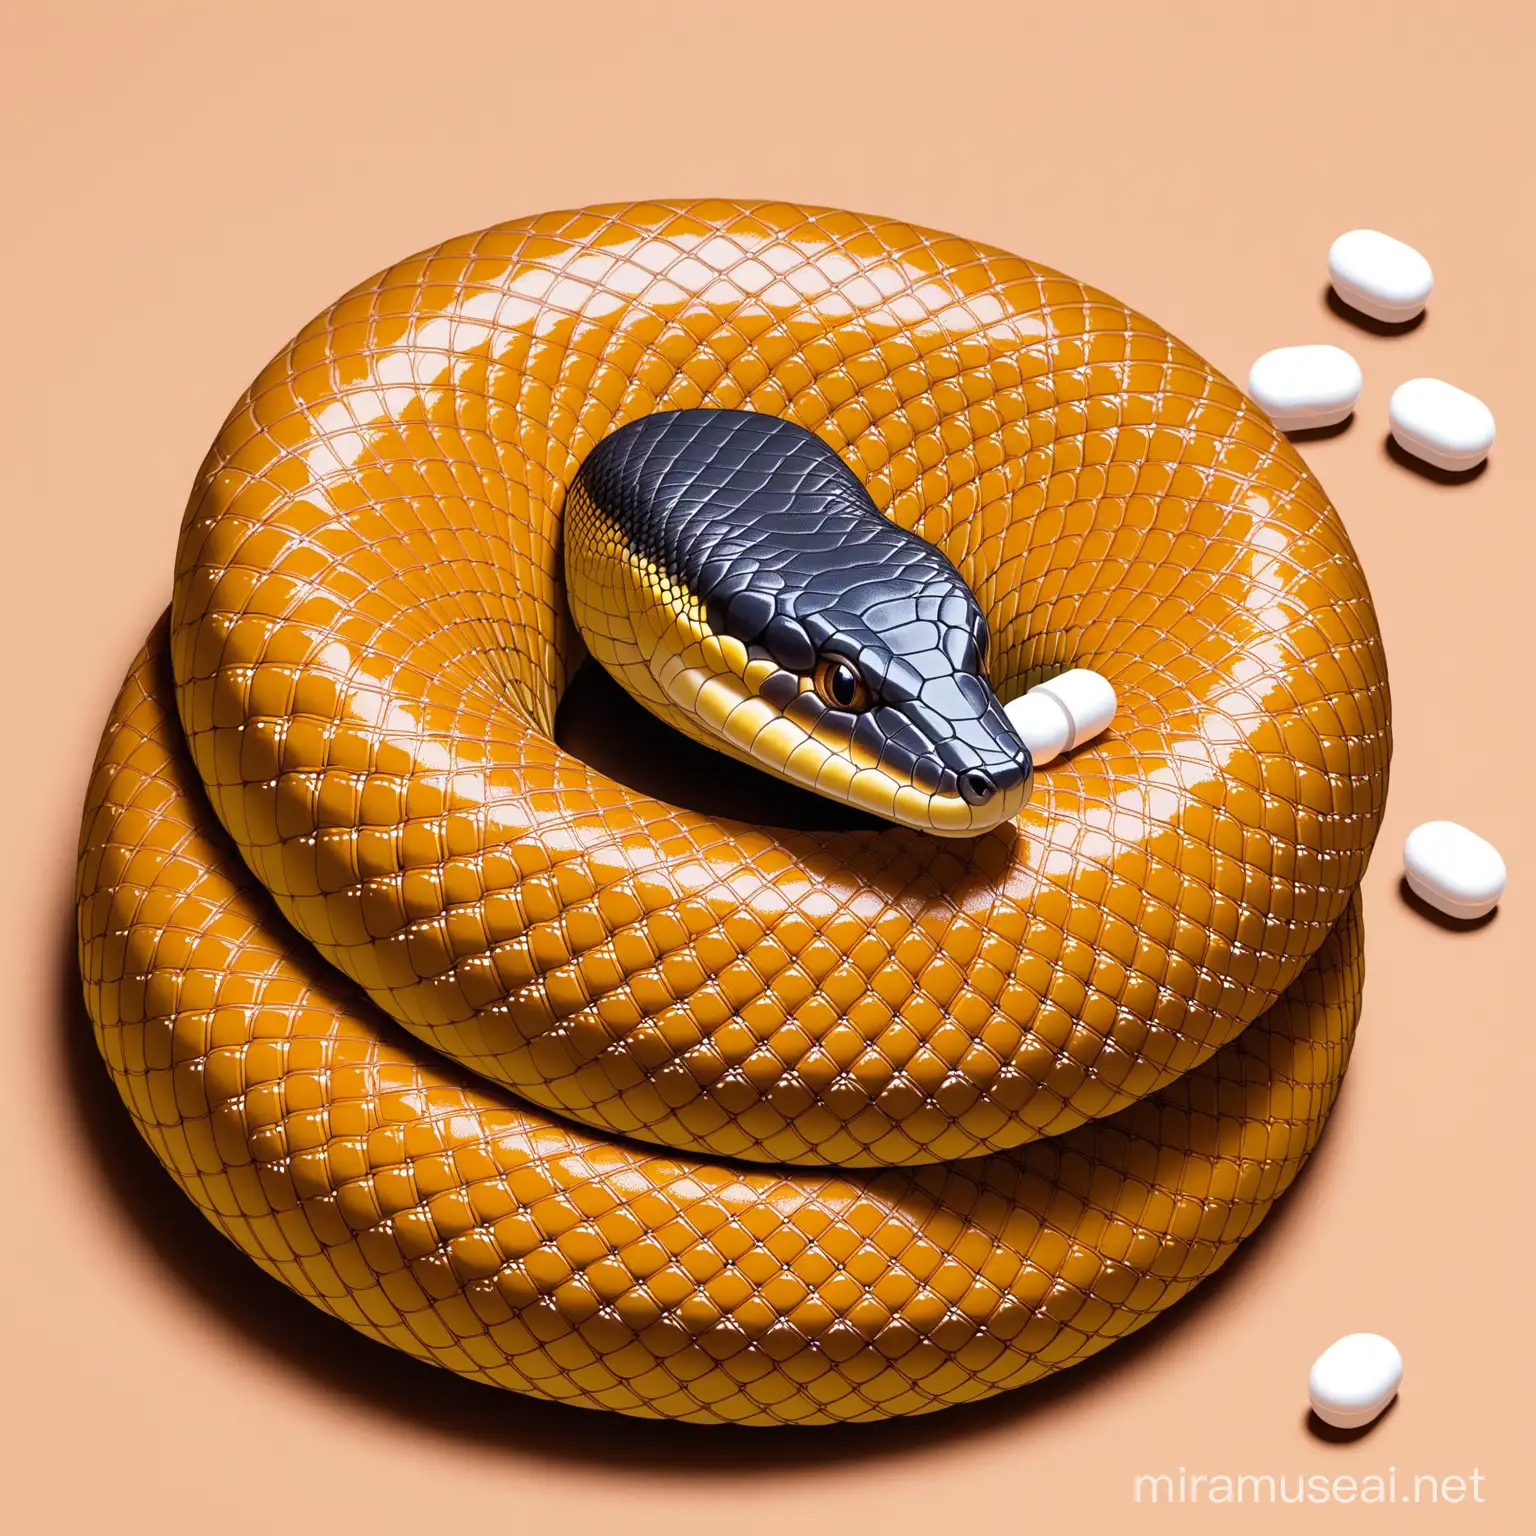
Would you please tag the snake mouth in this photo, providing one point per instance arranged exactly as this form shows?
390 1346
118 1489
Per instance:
962 784
956 775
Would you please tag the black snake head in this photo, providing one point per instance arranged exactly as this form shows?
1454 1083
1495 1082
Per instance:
733 574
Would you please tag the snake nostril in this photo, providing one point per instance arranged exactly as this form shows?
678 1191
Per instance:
977 788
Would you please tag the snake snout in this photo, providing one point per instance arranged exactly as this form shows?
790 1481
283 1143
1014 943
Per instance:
977 787
975 755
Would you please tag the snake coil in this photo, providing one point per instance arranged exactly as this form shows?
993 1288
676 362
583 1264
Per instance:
782 1126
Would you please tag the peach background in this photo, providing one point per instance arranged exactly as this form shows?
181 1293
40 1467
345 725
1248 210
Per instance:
185 184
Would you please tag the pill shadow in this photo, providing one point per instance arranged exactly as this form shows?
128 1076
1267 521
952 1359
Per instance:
1400 456
343 1365
1331 1434
1321 434
1333 303
1411 898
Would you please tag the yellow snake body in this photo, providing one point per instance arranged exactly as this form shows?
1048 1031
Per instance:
1010 1091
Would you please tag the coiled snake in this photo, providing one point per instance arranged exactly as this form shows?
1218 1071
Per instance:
783 1126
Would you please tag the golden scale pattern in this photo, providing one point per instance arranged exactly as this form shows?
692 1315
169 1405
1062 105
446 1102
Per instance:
368 641
515 1248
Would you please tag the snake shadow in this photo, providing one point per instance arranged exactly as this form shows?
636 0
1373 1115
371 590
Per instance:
598 722
609 730
209 1273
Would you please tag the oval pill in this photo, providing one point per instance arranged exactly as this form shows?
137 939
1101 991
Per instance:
1354 1379
1379 276
1062 713
1440 424
1300 387
1453 869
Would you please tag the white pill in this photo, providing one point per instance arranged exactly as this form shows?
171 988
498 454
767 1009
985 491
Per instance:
1379 276
1453 869
1354 1379
1062 713
1440 424
1301 387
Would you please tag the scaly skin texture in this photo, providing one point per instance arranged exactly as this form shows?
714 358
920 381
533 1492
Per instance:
491 1238
370 635
722 563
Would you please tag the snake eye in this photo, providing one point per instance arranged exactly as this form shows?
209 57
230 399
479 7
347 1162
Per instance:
839 685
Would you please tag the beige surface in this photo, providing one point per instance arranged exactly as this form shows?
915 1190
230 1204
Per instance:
183 187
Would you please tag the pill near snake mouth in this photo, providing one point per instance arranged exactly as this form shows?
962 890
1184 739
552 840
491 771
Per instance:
1354 1379
1380 277
1062 713
1440 424
1453 869
1303 387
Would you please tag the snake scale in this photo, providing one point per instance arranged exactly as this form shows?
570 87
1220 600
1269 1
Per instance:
586 1094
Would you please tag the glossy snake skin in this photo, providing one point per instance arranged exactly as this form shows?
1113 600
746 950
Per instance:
342 756
734 573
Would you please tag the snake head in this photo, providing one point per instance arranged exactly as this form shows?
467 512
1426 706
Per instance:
735 576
